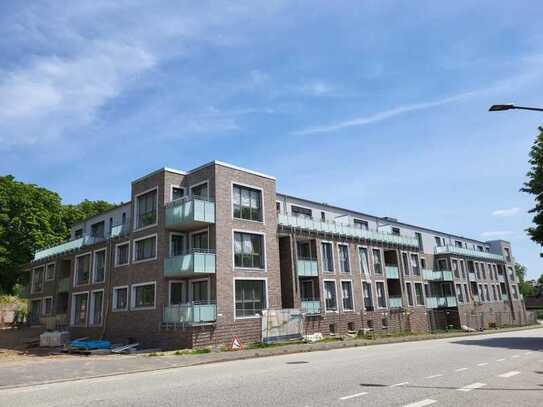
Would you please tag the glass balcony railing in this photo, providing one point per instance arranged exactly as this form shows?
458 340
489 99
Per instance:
347 230
185 214
440 275
461 251
440 302
120 230
190 264
395 302
392 272
190 313
311 306
307 268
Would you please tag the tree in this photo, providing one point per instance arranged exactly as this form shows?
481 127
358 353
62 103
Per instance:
73 214
540 280
524 288
534 186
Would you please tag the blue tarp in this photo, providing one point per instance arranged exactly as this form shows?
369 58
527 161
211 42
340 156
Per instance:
90 344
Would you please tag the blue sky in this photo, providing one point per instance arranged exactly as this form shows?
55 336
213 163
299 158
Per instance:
379 106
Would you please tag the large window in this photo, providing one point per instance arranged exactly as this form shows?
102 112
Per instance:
47 305
248 250
37 279
82 269
459 293
50 272
247 203
99 265
362 224
80 309
301 212
364 261
368 296
143 296
419 294
344 266
409 294
250 297
177 244
177 193
200 241
377 264
120 298
327 257
177 292
381 298
347 295
146 206
145 249
200 191
405 264
454 264
330 296
415 264
200 291
97 301
122 254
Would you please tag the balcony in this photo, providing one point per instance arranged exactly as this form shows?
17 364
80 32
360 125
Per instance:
120 230
67 247
392 272
63 285
311 306
440 302
189 214
190 264
190 313
307 268
347 230
395 302
442 275
461 251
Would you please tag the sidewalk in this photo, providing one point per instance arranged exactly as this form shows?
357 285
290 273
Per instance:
50 370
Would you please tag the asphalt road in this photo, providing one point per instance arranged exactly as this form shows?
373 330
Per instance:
491 370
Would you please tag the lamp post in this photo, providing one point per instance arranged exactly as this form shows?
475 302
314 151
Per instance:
500 108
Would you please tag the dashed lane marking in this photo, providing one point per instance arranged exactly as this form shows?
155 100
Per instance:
399 384
433 376
352 396
422 403
461 369
482 364
509 374
471 387
515 356
500 360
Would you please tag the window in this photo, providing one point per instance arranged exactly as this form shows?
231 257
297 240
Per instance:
50 272
79 309
247 203
466 294
507 253
477 271
368 297
146 209
381 299
301 212
483 270
405 264
110 226
250 297
248 250
143 296
120 298
177 292
423 263
462 269
480 248
199 240
145 248
364 261
323 216
459 293
200 191
330 295
347 295
487 293
396 231
124 218
78 234
278 207
494 295
47 305
200 291
415 264
327 257
458 243
418 236
177 193
362 224
37 279
96 306
409 294
455 268
82 269
121 254
177 244
419 294
98 229
99 265
307 290
481 292
438 240
344 266
442 264
35 311
515 292
377 266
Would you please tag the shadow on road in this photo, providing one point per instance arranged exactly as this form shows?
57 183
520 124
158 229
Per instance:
519 343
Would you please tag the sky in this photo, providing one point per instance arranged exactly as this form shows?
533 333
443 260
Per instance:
379 106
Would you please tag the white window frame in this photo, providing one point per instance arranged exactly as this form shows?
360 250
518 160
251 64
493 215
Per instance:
370 282
90 271
196 280
32 291
241 184
265 279
93 273
358 247
385 292
327 272
72 310
188 244
114 298
133 296
172 186
339 257
43 301
135 218
91 308
117 254
411 288
134 251
183 293
251 269
206 181
423 294
336 311
382 258
409 270
54 271
350 281
185 243
291 204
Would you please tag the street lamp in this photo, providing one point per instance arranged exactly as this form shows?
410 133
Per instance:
499 108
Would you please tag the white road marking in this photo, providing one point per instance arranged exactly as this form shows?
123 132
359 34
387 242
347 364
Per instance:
421 403
434 375
26 389
500 360
472 386
515 356
461 369
509 374
352 396
399 384
527 353
482 364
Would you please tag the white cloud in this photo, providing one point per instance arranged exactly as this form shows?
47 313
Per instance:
496 233
317 88
506 212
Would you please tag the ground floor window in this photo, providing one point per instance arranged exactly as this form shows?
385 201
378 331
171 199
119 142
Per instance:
47 306
330 295
250 297
120 298
368 297
409 294
35 310
381 298
419 294
143 296
97 300
459 293
80 309
347 295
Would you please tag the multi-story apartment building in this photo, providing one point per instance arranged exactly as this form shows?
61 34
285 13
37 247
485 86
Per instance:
195 257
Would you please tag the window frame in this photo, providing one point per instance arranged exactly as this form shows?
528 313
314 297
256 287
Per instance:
381 261
183 292
185 243
385 294
370 283
192 196
32 291
43 302
91 308
189 244
409 293
126 243
172 186
331 243
93 278
136 207
133 296
89 253
264 257
73 310
368 273
353 302
324 281
114 298
338 245
266 300
134 251
262 207
54 271
422 294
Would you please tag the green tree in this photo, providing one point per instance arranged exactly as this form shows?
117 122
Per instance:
524 288
534 186
540 280
85 209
